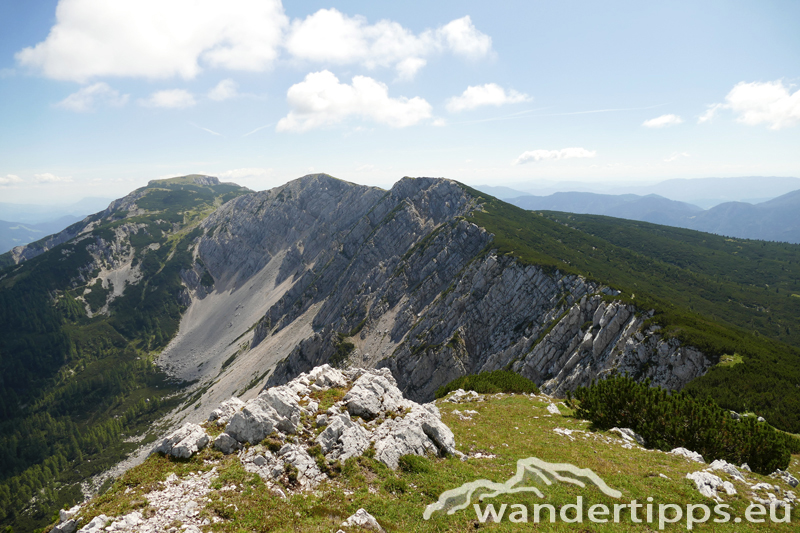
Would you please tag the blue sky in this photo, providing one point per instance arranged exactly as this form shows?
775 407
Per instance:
99 97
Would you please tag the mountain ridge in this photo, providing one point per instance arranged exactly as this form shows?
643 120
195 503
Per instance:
234 290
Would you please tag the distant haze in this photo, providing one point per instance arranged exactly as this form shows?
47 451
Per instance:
702 192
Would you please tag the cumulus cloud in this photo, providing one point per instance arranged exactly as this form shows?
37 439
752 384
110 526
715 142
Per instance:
544 155
321 100
759 103
157 38
9 179
330 36
87 98
170 99
662 121
482 95
224 90
47 177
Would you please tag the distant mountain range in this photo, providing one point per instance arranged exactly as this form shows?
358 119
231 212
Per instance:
702 192
25 223
773 220
17 233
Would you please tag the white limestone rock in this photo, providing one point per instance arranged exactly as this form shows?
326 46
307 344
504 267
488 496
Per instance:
255 421
363 519
97 525
721 464
628 435
689 454
226 444
66 526
225 411
308 473
326 376
708 483
373 394
419 433
66 514
184 442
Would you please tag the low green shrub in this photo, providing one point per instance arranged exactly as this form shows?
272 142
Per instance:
668 420
490 383
415 464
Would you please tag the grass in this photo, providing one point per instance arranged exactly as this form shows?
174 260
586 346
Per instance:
511 427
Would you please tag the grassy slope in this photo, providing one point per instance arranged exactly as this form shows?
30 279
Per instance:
725 296
512 427
85 383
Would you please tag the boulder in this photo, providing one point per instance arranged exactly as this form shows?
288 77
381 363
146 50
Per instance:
708 484
184 442
721 464
326 376
689 454
66 526
225 411
362 519
373 394
255 421
226 444
97 525
308 473
66 514
628 434
419 433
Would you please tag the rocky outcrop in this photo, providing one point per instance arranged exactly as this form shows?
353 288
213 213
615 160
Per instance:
373 412
184 442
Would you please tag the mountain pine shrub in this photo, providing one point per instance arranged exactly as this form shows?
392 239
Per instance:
490 383
668 420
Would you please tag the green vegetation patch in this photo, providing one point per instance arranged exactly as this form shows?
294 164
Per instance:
490 383
669 420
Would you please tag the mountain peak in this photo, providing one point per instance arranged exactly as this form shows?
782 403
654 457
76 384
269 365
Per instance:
191 179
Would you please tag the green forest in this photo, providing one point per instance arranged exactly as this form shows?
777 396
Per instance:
77 382
736 300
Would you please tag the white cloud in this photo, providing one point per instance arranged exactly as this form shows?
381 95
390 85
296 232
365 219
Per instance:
330 36
481 95
9 179
760 103
662 121
710 113
564 153
157 38
224 90
676 155
170 99
321 100
239 173
408 67
770 102
47 177
464 39
86 98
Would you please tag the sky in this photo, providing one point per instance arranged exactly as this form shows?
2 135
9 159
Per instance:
98 97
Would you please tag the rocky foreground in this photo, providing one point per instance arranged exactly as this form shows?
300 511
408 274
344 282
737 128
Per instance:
290 438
